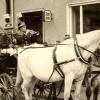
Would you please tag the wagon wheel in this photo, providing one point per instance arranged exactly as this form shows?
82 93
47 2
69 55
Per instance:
42 90
6 87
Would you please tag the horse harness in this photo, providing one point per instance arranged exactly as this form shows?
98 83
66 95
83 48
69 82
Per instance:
79 56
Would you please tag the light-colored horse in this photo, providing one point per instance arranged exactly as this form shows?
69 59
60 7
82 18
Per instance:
38 63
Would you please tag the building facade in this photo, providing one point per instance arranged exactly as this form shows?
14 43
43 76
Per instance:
34 11
54 18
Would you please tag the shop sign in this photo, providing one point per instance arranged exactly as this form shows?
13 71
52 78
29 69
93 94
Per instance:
47 15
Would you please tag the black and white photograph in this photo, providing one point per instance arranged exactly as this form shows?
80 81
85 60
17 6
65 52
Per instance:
49 49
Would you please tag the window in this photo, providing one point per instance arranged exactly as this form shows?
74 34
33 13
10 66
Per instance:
8 9
86 18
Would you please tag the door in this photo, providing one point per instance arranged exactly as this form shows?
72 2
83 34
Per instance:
34 22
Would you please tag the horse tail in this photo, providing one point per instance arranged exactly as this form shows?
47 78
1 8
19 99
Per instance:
19 80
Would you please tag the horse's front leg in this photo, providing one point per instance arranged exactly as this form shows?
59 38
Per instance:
78 84
68 84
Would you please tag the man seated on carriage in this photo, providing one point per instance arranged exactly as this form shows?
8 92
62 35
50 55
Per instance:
24 36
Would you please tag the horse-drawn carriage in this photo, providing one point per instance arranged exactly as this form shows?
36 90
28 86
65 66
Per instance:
8 68
49 64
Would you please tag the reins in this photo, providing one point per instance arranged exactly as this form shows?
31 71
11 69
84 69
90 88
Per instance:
77 47
44 46
57 44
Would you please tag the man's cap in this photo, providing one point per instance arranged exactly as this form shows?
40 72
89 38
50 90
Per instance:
21 25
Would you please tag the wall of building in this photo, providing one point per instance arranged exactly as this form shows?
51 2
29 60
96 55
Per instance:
81 1
2 12
54 30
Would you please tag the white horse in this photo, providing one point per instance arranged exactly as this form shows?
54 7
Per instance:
38 63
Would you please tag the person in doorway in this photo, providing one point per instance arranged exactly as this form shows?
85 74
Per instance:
24 35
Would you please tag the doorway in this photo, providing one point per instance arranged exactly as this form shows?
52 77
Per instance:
34 21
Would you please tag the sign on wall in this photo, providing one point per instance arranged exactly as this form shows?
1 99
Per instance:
47 15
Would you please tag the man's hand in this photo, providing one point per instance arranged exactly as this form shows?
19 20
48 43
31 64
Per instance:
37 33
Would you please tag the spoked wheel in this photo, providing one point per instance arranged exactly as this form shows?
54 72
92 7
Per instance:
42 90
6 87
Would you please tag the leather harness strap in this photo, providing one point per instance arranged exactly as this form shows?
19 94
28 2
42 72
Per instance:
79 56
56 66
78 53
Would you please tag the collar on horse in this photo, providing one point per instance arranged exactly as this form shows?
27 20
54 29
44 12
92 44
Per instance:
82 59
79 55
